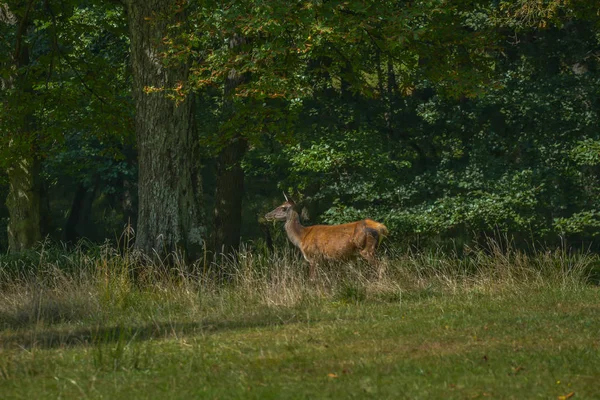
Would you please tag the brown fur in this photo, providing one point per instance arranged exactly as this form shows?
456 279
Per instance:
330 242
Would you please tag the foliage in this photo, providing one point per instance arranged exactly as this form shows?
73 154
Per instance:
342 39
520 157
75 92
76 75
444 120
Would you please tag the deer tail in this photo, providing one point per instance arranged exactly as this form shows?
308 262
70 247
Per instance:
382 230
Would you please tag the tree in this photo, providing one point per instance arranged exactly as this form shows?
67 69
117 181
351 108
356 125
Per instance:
169 185
24 200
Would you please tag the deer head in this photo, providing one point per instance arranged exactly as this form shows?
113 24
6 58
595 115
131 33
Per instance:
281 212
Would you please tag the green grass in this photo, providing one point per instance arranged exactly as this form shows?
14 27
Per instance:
497 325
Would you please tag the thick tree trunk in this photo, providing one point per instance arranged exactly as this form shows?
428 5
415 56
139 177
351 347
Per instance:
24 204
229 190
24 196
169 209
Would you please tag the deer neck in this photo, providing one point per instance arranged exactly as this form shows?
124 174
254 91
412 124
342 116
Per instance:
293 228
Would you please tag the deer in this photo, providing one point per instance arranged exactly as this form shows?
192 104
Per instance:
329 242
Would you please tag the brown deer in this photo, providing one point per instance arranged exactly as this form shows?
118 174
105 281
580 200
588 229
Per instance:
329 242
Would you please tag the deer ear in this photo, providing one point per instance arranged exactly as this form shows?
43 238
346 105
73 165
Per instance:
289 199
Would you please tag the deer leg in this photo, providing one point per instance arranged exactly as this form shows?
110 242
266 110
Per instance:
368 252
312 266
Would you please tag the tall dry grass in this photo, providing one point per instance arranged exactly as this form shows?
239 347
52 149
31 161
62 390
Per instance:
105 285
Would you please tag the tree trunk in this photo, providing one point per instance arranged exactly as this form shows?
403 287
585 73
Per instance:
228 197
24 204
24 196
229 189
169 192
79 217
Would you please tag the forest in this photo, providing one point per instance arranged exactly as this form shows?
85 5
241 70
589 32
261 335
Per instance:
145 145
184 121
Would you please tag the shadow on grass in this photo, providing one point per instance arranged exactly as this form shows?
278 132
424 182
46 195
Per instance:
50 338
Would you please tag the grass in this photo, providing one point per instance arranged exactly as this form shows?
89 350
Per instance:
93 323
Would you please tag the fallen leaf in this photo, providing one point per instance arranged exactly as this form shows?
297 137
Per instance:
516 370
331 375
566 396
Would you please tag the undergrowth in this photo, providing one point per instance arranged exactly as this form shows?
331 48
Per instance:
100 283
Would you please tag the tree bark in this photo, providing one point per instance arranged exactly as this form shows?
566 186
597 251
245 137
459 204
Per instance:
24 196
229 189
79 217
169 191
24 204
228 197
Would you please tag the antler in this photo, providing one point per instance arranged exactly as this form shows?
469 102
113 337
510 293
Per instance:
286 198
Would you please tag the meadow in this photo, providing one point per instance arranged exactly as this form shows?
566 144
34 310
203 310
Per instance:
494 322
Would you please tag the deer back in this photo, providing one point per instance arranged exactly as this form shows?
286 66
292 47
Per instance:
335 242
